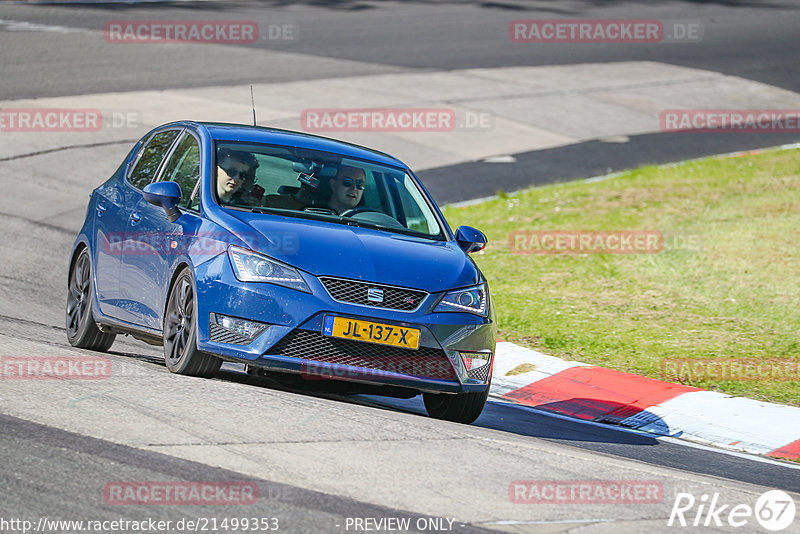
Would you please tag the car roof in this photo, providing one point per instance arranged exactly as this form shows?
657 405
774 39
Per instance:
275 136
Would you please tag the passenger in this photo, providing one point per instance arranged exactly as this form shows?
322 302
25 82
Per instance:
233 169
347 188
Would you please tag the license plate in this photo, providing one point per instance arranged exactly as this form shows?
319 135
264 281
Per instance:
383 334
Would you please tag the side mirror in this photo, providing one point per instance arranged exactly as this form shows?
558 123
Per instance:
470 239
164 194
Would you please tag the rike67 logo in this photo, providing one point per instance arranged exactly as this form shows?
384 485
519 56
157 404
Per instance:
773 510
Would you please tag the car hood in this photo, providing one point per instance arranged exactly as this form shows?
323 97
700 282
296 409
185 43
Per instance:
330 249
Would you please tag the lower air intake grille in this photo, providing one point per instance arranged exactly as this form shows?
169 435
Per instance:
424 362
481 373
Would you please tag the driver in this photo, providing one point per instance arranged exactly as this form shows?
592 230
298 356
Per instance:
347 188
233 169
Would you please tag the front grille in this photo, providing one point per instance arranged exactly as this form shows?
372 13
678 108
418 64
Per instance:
425 362
394 298
481 373
223 335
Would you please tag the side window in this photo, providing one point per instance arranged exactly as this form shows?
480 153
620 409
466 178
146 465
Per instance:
183 168
151 157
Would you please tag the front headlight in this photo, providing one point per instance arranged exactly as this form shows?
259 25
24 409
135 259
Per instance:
472 300
249 266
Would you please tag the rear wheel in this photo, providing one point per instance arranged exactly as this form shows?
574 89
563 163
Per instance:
82 331
180 332
459 408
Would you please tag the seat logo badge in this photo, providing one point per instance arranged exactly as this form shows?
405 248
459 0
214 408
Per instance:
375 295
409 300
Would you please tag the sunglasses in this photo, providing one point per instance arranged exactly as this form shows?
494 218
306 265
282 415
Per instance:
236 174
348 182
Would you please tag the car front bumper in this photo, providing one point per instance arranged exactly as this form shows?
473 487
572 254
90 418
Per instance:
293 341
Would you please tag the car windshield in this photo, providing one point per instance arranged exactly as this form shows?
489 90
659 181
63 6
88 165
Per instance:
324 186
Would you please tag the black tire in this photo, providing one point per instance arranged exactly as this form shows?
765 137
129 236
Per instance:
180 332
82 331
459 408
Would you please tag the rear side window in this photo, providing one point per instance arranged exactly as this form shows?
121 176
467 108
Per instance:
151 157
183 168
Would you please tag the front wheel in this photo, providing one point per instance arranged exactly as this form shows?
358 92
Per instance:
82 331
180 332
459 408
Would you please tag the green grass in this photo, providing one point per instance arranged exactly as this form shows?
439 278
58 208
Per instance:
735 296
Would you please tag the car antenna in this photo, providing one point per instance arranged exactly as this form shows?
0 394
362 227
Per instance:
253 103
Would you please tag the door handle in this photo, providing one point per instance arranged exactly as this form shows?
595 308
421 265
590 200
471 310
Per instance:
100 210
135 218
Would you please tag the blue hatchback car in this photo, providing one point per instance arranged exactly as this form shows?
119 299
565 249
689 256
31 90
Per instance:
303 257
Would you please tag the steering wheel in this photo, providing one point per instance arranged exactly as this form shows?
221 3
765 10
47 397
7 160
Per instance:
359 209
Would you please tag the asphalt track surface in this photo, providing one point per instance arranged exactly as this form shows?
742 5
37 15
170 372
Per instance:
56 459
751 39
45 479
